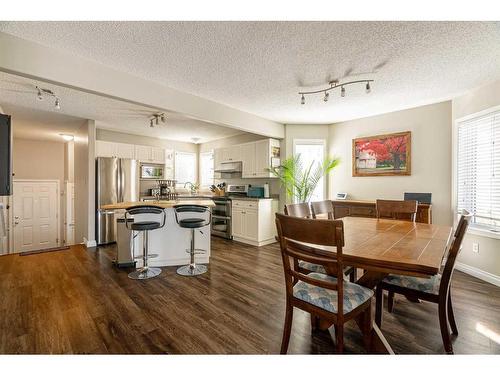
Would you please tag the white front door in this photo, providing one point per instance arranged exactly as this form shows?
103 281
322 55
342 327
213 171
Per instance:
70 213
35 215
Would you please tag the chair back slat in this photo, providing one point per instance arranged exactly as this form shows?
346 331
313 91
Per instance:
395 209
322 208
315 282
453 252
314 232
298 210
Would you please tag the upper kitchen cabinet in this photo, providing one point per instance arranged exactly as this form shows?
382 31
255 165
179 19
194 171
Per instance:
113 149
227 154
258 157
148 154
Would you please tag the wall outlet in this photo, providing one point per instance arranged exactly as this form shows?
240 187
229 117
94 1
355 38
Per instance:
475 247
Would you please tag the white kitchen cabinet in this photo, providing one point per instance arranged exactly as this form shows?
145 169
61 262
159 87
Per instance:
262 158
253 221
114 149
143 153
148 154
105 149
125 151
248 160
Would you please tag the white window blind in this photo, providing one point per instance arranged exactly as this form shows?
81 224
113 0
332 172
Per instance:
478 169
185 167
206 168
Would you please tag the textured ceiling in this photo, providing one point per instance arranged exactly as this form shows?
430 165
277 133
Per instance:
18 98
258 67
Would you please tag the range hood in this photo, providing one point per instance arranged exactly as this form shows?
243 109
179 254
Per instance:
229 167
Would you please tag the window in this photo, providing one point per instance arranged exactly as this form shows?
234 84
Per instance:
206 168
312 151
185 167
478 168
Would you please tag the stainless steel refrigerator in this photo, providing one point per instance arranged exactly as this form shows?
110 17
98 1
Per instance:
117 180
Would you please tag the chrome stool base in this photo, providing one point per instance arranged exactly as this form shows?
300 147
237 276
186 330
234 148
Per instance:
144 273
192 270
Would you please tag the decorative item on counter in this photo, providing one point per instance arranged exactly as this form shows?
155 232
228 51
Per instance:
167 190
193 188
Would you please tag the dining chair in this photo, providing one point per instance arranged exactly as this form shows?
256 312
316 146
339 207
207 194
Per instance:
394 209
322 208
298 210
323 296
304 210
436 289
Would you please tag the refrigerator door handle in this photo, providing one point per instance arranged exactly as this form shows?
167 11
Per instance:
119 189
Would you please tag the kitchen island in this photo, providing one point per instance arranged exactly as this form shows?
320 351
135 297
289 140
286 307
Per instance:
171 241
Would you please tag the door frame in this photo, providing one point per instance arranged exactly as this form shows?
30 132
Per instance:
58 206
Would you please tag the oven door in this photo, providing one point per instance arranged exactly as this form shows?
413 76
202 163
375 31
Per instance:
221 226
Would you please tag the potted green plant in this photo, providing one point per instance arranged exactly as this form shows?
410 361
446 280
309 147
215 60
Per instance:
299 181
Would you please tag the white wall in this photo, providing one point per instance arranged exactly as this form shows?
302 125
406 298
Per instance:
84 151
40 160
488 258
431 157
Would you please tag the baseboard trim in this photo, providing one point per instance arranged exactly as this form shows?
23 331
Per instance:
480 274
91 243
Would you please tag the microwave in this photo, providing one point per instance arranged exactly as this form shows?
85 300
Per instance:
154 172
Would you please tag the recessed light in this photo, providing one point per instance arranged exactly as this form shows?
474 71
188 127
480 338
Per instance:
67 137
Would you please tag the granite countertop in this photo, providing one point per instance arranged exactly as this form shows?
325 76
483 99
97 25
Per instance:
160 203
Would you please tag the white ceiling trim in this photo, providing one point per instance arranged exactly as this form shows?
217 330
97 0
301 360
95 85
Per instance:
35 61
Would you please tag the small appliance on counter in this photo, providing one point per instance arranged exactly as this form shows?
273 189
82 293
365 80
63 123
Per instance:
256 192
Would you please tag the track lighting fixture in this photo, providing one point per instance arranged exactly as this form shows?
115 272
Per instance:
41 92
156 118
333 85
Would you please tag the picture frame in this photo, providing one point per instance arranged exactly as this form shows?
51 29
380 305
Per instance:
382 155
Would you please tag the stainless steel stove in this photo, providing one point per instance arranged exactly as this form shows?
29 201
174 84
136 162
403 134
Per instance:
221 213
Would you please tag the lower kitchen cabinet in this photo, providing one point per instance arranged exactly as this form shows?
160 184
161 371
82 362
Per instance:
253 221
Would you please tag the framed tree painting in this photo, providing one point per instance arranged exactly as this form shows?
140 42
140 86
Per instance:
382 155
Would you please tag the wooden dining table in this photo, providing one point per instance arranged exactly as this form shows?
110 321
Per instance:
381 247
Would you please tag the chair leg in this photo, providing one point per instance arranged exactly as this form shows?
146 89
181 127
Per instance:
366 328
339 337
390 301
352 275
287 329
451 316
379 305
443 324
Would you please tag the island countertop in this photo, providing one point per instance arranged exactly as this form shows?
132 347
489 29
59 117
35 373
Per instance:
162 204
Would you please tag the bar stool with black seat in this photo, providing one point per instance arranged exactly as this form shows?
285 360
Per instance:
193 223
145 272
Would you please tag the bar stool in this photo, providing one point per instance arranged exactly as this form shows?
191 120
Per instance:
145 272
192 223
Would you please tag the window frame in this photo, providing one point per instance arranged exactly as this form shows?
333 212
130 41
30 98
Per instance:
479 230
200 172
313 141
181 184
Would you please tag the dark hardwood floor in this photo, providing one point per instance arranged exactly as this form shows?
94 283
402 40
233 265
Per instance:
75 301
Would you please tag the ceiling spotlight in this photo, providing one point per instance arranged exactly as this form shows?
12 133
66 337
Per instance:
195 139
67 137
156 117
342 91
303 99
368 88
151 125
57 104
39 96
327 95
163 118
